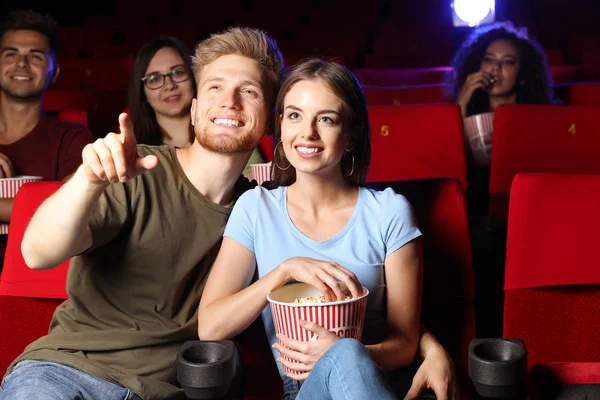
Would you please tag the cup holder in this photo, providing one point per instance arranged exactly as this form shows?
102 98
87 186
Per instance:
498 368
206 369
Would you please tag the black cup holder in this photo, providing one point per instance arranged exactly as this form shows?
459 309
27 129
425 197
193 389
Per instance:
498 368
208 369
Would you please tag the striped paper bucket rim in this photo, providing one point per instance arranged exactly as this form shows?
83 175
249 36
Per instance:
330 303
23 178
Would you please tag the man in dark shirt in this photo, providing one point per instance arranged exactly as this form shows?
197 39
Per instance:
32 143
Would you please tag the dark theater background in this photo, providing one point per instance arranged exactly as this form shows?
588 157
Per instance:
100 37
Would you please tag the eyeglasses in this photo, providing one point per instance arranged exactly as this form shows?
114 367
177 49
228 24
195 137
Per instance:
156 81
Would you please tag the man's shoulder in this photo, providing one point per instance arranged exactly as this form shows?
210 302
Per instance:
55 127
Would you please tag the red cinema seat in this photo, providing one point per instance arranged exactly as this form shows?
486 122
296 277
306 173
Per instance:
533 138
266 147
75 116
552 279
57 100
584 94
28 298
448 283
418 141
397 95
565 73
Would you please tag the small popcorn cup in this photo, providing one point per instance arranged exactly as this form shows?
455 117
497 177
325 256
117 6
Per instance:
479 130
9 188
344 318
261 172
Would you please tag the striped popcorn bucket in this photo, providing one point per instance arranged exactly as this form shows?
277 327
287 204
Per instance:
9 188
479 130
344 318
261 172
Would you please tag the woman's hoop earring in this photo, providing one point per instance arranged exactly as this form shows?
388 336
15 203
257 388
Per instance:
352 169
275 158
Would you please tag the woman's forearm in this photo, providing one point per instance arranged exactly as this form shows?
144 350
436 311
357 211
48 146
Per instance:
228 316
428 344
393 352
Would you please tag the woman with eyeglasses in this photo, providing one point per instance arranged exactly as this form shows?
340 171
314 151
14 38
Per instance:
161 90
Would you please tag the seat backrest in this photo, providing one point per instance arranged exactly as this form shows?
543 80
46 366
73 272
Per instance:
565 73
17 278
27 298
56 100
266 147
552 291
396 95
400 77
416 142
584 94
448 284
534 138
75 116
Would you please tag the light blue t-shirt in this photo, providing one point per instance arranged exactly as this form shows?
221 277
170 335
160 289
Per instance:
382 222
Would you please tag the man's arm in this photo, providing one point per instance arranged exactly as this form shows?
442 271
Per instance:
60 229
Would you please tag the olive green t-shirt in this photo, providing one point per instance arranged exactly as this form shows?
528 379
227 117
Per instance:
133 296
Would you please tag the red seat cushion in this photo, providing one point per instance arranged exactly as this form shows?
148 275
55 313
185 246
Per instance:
556 324
22 320
416 142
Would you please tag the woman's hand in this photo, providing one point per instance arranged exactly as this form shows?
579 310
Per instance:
305 353
436 373
323 275
477 80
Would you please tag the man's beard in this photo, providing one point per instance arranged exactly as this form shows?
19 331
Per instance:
227 144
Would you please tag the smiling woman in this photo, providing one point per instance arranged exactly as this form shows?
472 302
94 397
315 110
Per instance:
310 222
161 90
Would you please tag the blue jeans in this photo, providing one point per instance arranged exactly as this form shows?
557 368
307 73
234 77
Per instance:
37 380
346 371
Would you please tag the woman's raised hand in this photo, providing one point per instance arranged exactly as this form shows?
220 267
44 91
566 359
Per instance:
323 275
477 80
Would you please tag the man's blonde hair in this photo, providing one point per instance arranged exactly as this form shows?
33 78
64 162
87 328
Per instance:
252 43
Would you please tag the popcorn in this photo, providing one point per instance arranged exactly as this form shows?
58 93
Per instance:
316 300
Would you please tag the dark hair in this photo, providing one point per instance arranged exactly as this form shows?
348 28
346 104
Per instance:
32 21
534 82
345 85
147 130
